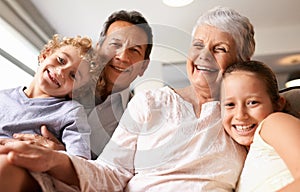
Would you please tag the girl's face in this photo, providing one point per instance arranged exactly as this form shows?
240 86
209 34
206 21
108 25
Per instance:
61 71
212 50
245 103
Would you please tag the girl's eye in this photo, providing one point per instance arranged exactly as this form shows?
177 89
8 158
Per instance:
252 103
229 105
61 60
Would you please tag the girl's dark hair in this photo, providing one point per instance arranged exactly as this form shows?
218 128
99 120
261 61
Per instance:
263 72
133 17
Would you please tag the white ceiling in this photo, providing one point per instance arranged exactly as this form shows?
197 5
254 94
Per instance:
276 23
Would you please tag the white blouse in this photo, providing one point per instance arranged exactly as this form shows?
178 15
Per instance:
160 145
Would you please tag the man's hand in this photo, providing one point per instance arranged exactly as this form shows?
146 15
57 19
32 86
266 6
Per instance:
47 139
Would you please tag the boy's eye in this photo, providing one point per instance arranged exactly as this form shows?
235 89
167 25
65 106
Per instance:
61 60
73 76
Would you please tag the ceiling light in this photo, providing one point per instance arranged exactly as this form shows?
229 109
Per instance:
293 79
177 3
290 60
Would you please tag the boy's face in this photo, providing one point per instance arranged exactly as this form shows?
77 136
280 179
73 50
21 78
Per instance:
61 71
245 103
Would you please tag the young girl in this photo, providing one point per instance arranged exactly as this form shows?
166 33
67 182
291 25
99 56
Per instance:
250 107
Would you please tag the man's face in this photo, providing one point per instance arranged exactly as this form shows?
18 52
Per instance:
124 51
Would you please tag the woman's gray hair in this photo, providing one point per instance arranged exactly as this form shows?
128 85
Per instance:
230 21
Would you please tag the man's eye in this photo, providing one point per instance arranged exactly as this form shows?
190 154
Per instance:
114 44
135 50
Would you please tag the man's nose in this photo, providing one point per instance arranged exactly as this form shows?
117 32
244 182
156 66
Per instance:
123 55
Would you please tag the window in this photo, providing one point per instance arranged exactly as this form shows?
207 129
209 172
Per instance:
15 46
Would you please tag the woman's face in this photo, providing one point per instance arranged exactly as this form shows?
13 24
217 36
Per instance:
212 50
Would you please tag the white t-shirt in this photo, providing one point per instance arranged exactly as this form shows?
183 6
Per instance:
264 170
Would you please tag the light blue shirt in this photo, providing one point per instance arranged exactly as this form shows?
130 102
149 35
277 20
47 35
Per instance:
66 119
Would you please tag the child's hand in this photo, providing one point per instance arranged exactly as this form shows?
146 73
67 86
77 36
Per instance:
47 139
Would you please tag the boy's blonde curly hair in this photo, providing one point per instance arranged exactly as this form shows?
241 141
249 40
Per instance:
84 44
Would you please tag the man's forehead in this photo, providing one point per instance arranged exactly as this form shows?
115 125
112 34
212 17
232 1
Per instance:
133 34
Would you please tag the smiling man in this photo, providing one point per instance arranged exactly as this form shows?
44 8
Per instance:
125 45
124 48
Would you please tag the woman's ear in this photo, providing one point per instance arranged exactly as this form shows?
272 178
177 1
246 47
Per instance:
281 103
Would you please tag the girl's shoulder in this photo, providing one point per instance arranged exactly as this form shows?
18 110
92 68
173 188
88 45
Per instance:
279 126
279 118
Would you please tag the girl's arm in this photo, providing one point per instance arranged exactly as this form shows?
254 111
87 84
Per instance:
282 132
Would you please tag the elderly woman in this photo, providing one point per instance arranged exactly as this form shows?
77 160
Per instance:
168 139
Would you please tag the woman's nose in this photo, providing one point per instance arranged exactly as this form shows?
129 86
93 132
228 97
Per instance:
205 54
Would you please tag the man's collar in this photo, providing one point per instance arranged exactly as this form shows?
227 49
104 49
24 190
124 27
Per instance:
125 96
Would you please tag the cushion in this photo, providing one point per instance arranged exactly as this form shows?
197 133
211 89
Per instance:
292 95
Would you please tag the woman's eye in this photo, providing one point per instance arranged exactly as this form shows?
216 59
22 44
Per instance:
221 49
198 45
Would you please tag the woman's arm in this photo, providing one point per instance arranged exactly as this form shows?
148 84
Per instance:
282 131
40 159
